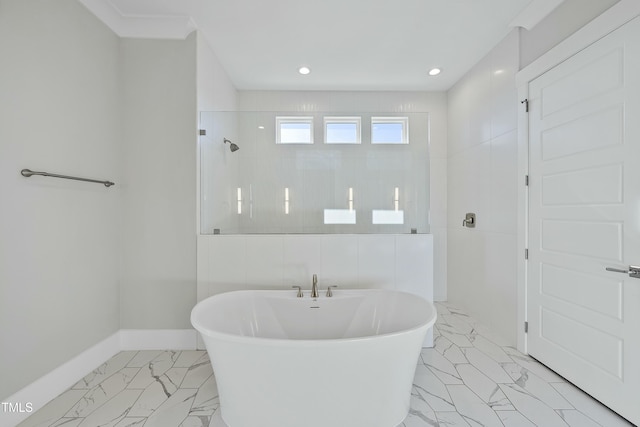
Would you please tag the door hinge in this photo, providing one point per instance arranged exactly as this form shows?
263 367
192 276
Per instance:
203 132
526 180
526 254
526 327
526 105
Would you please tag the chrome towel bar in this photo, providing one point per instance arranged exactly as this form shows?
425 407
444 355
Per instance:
27 173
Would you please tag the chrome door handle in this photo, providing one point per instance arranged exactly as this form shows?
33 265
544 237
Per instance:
633 271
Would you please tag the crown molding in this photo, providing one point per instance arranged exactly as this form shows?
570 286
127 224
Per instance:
535 12
140 26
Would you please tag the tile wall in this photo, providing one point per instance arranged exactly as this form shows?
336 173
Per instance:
386 261
482 178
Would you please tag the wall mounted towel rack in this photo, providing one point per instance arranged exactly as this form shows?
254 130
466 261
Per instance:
27 173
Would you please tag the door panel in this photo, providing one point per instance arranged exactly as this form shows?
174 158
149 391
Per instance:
584 216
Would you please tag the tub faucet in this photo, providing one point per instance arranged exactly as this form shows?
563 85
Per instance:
314 287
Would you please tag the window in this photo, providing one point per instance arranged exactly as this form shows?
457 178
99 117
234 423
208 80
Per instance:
294 130
342 130
389 130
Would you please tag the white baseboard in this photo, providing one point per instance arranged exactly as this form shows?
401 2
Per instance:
47 387
51 385
158 339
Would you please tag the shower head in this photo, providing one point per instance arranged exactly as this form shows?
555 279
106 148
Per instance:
233 147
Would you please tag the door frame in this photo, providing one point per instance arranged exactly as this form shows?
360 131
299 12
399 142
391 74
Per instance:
610 20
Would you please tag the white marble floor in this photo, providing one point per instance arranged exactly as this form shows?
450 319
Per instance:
470 378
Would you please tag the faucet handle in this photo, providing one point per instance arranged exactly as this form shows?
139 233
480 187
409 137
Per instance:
329 292
300 294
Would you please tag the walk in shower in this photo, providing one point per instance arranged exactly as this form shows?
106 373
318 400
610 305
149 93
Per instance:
314 173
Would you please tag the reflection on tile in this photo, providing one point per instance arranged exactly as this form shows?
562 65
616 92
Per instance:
470 378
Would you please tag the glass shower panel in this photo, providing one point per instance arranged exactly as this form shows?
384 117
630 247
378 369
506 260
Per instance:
263 187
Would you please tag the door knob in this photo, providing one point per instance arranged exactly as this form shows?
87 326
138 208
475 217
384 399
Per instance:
633 271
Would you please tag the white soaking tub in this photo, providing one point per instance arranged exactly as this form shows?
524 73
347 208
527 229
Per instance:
341 361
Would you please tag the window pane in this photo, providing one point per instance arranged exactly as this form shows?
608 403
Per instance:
341 133
389 130
291 133
294 130
342 130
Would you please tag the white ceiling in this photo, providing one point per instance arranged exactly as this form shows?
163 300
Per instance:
348 44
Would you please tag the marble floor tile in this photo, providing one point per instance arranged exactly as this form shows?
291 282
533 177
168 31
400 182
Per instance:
484 387
472 409
590 407
449 350
486 365
102 393
131 422
420 414
471 377
533 409
514 419
105 370
451 419
174 411
54 410
112 412
429 388
440 366
536 386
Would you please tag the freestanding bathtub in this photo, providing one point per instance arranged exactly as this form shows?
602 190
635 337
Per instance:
341 361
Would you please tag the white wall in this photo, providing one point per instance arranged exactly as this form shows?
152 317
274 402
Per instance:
59 244
482 178
159 190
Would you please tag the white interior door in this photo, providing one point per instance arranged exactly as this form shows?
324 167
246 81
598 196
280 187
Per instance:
584 216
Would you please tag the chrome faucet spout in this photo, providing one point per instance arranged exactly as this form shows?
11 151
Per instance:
314 287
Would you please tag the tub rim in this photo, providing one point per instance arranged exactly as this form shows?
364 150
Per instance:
224 336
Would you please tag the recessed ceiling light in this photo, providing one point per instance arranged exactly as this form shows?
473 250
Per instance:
434 71
304 70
